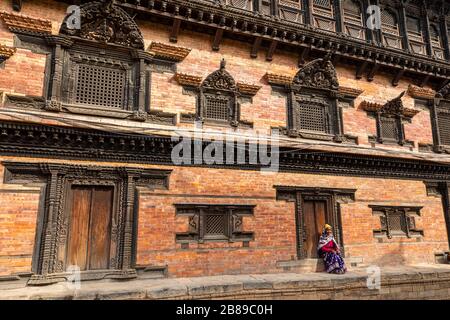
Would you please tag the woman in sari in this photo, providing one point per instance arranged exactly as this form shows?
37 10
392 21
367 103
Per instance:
328 249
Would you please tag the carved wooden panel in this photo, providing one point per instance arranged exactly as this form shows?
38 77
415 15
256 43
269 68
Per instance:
353 19
291 10
397 221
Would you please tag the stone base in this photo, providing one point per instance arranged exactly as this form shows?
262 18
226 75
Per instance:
425 282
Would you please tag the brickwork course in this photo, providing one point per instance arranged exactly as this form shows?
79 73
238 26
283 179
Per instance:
274 247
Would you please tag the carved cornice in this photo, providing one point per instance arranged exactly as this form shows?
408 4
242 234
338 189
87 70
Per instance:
6 52
188 80
59 142
169 52
278 79
20 23
248 89
421 93
105 22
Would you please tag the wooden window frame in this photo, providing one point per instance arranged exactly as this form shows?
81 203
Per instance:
196 213
49 265
407 215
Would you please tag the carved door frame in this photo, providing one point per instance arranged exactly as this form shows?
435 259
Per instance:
52 226
334 199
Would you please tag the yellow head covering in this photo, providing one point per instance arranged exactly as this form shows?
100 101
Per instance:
327 227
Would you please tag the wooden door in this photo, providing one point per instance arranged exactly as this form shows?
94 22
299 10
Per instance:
314 213
90 227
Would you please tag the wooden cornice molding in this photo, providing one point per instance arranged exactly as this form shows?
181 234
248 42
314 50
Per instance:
421 93
278 79
169 52
20 23
248 89
188 80
6 52
371 106
351 92
394 106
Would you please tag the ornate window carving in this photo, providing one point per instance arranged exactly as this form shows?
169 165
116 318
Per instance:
102 68
218 97
415 29
397 221
390 29
60 183
211 222
440 116
390 118
324 15
291 10
353 19
436 41
312 102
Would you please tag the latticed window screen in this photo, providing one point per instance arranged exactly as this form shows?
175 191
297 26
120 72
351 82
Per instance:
322 3
311 117
241 4
216 224
100 86
444 127
413 24
291 10
397 222
389 128
389 22
217 108
435 35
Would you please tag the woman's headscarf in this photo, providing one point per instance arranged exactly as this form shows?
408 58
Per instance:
325 237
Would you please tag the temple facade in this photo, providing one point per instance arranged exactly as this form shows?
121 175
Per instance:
173 138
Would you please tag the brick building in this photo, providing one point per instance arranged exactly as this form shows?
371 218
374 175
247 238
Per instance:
90 114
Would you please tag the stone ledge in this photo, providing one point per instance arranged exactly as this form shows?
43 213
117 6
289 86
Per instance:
400 283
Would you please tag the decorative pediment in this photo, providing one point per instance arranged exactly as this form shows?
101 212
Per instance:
105 22
393 107
318 74
220 79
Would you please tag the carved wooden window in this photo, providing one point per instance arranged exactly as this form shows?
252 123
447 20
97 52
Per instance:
312 116
415 35
390 29
266 7
241 4
443 123
353 19
217 107
397 221
323 15
436 41
390 129
210 222
99 85
291 10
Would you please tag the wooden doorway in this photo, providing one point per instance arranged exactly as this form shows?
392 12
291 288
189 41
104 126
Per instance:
315 216
90 213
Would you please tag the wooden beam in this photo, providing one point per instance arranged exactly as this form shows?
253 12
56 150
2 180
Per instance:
361 69
372 72
398 77
255 47
175 30
271 51
217 40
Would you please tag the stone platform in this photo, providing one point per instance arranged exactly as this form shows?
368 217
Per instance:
412 282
